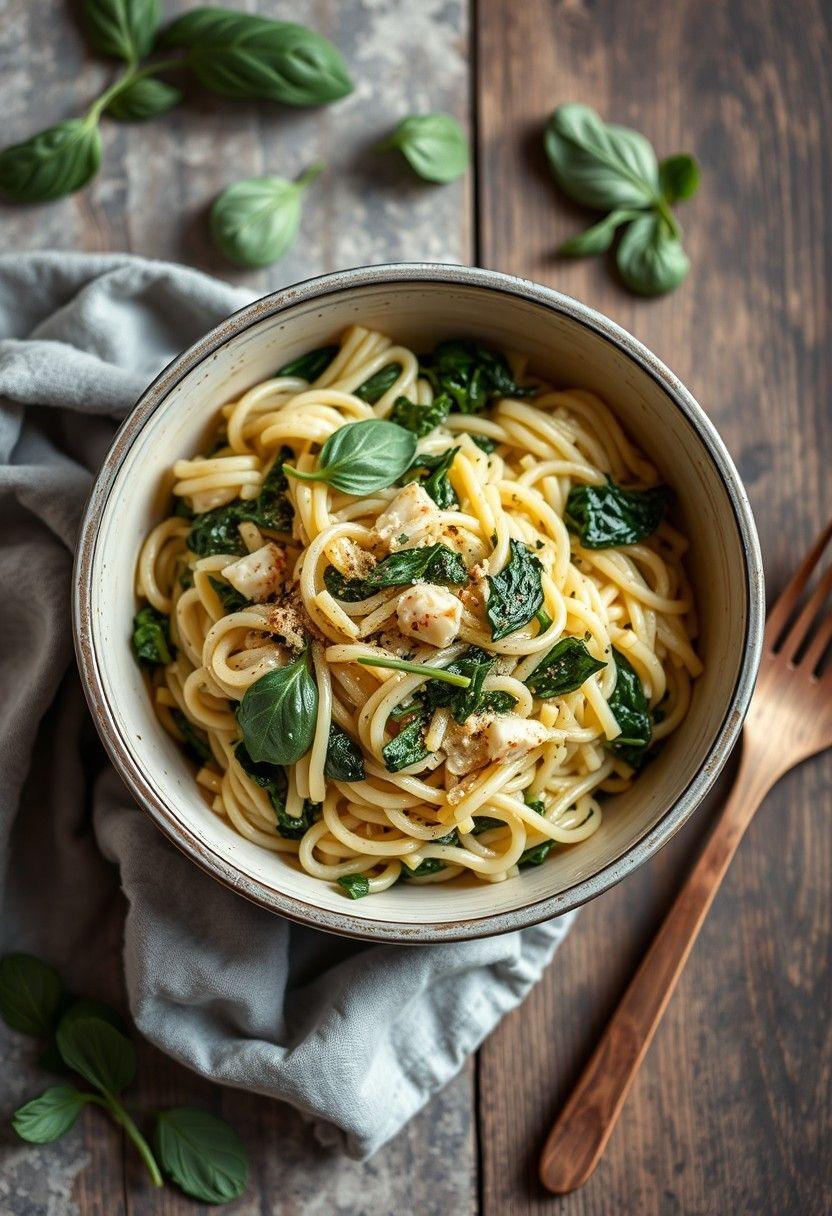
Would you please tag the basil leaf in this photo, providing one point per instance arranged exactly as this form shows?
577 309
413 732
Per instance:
151 637
650 257
52 163
420 419
537 854
196 744
30 995
201 1153
599 164
407 748
277 714
566 667
630 710
679 177
311 365
375 386
217 531
142 99
432 564
515 594
254 222
433 144
48 1117
362 457
476 665
344 758
98 1052
124 29
355 885
599 237
242 55
607 516
471 375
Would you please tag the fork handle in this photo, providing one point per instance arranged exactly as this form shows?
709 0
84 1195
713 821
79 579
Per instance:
580 1134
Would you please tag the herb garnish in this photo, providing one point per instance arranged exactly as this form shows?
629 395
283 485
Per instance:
614 169
254 221
515 594
433 144
199 1152
278 713
563 669
432 564
151 642
355 885
607 516
445 674
311 365
362 457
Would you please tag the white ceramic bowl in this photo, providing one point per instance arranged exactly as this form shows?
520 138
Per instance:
417 304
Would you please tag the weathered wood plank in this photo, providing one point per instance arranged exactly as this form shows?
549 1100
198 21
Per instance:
151 198
729 1111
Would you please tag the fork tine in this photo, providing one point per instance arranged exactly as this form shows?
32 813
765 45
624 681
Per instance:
783 606
797 634
819 645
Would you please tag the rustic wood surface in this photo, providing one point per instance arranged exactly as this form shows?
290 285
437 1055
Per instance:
731 1110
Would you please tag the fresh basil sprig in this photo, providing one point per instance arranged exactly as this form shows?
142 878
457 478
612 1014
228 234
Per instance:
362 457
257 58
200 1153
614 169
142 99
434 146
278 712
52 163
254 221
122 29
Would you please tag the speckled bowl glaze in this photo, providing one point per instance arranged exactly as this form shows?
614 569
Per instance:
568 343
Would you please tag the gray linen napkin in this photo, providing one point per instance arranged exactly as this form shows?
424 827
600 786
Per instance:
356 1037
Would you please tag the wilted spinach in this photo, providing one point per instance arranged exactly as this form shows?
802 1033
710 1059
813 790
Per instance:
374 388
431 564
344 758
151 642
421 419
196 744
472 375
631 711
566 666
217 531
355 885
476 664
515 594
407 748
607 516
311 365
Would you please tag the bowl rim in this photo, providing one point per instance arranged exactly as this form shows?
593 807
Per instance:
538 910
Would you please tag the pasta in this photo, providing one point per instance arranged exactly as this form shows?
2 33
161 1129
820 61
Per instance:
421 649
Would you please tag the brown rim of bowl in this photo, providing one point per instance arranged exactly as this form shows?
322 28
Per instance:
542 909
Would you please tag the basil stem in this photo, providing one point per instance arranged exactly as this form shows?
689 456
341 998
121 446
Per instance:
416 669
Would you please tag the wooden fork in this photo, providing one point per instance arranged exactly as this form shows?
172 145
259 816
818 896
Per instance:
790 719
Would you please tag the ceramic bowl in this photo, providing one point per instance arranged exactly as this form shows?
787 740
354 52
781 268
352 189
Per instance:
569 344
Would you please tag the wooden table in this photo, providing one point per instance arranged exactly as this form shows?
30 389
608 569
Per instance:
731 1108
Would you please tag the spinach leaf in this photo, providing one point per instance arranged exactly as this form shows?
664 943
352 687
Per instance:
50 1116
242 55
196 743
421 419
255 221
566 666
476 665
123 29
373 389
151 642
142 99
52 163
293 827
431 865
537 854
435 477
30 995
472 375
607 516
201 1153
484 823
485 442
269 777
217 531
344 758
355 885
362 457
278 712
230 598
311 365
515 594
407 748
650 257
431 564
630 710
433 144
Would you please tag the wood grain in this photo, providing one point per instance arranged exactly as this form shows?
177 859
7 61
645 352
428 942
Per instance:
730 1110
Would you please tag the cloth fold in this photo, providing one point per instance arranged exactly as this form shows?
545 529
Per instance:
356 1037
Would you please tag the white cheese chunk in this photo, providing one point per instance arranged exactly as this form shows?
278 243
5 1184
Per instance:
257 575
411 513
431 614
466 745
510 736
